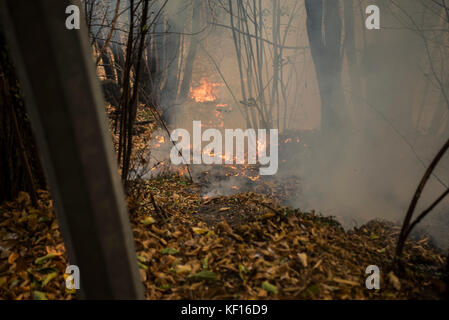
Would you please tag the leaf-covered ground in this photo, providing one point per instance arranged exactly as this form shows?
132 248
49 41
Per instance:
244 246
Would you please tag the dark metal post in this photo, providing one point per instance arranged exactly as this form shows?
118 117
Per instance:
63 97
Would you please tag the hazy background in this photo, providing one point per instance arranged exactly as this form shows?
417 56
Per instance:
392 100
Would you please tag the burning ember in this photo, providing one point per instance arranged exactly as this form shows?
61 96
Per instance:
160 140
206 92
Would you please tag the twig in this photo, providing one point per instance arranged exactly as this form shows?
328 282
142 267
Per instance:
405 230
158 117
427 211
111 31
259 38
158 209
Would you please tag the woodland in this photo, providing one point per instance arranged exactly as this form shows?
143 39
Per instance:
363 122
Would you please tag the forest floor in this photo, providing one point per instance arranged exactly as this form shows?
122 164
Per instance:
243 246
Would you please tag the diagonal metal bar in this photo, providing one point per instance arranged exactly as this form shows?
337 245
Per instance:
63 98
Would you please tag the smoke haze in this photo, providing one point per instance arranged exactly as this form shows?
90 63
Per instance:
390 118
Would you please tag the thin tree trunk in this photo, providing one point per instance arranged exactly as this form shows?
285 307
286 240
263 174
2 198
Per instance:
134 99
124 103
187 76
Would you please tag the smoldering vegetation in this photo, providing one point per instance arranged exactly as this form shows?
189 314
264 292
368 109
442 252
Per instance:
360 113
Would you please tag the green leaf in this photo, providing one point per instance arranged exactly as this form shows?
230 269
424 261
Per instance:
242 268
204 275
205 263
45 270
43 219
169 251
165 287
49 277
39 295
148 220
14 283
311 291
142 266
142 259
269 287
199 230
41 260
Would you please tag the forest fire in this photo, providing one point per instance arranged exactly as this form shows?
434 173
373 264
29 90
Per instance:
206 92
220 150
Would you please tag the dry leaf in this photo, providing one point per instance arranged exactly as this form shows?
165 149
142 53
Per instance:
394 281
303 258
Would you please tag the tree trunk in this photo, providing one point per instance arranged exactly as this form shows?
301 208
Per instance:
196 24
173 43
20 167
325 45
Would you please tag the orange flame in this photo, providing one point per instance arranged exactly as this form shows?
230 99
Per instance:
206 92
261 145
